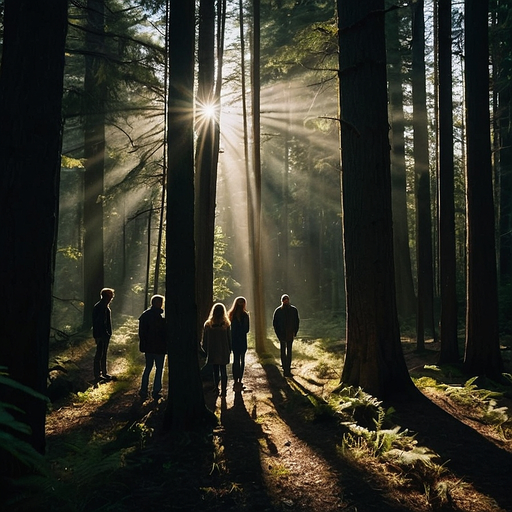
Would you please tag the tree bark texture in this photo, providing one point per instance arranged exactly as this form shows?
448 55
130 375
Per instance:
206 161
405 294
186 408
374 358
31 83
482 353
257 265
95 91
447 256
425 269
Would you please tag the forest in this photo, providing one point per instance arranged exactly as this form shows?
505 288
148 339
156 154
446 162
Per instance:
356 156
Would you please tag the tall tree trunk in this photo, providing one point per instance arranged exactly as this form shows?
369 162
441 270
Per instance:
406 298
447 257
161 224
425 307
284 246
374 358
247 157
206 160
482 354
503 136
259 299
186 408
94 153
30 144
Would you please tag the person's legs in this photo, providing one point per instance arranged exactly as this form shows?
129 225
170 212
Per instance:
157 384
97 357
145 375
242 366
216 376
224 379
100 358
236 366
284 356
103 360
289 354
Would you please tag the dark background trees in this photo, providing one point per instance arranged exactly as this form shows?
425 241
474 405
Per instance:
297 193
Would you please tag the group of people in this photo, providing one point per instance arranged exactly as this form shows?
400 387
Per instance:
224 332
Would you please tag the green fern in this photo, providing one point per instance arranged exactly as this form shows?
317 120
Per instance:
10 428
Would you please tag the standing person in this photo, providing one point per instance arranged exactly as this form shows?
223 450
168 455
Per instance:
239 318
216 343
102 332
153 343
286 326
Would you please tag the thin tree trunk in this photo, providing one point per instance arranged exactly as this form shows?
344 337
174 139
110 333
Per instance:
259 299
425 307
148 260
247 157
406 298
447 257
206 161
164 162
94 154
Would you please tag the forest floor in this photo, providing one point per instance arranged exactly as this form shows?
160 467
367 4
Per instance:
271 450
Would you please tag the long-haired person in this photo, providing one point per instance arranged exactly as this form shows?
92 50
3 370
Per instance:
216 343
239 318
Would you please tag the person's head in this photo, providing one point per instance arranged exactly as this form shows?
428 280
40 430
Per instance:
157 301
218 314
239 305
285 300
107 294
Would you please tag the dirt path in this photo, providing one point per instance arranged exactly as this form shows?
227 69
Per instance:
282 459
263 450
269 453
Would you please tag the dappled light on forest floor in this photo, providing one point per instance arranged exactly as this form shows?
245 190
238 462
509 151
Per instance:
279 445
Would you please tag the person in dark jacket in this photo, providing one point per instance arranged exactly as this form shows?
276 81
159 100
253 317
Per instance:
239 318
102 332
286 325
153 343
216 343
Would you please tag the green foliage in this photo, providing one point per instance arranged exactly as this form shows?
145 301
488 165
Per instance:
366 418
412 464
221 267
470 395
71 253
425 382
362 409
11 429
68 162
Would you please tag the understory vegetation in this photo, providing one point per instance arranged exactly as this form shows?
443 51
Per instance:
106 452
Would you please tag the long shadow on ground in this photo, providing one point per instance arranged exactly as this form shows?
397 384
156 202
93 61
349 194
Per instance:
468 454
241 437
323 437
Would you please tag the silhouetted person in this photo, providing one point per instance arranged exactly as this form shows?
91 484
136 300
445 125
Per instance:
239 318
216 343
286 326
102 331
153 343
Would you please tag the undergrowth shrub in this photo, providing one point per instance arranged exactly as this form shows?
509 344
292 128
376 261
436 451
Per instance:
372 434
